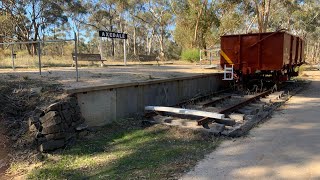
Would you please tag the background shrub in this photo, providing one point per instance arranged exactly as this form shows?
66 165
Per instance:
191 55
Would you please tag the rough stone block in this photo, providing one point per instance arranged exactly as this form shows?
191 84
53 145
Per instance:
54 107
33 120
48 116
41 140
217 127
54 121
75 124
77 110
38 112
70 136
51 145
33 128
71 130
55 136
38 135
75 117
67 114
64 126
52 129
33 125
237 117
65 106
35 91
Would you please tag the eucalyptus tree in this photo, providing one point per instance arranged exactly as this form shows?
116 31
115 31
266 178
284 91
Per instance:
7 27
194 22
77 11
104 17
31 16
135 9
161 18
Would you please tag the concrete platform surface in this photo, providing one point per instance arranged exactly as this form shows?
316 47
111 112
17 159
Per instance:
97 76
285 147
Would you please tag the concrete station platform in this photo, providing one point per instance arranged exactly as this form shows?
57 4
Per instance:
110 75
110 93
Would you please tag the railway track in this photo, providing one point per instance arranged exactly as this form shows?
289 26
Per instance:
226 113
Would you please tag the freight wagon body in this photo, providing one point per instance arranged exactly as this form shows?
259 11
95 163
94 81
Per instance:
270 52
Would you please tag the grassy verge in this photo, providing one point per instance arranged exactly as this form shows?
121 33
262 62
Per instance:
120 151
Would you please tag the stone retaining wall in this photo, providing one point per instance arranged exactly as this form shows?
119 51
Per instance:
56 126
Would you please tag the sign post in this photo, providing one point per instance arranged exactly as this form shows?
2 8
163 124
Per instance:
124 52
39 57
76 54
12 57
116 35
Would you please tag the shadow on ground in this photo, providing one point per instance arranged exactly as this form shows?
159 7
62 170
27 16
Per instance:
285 147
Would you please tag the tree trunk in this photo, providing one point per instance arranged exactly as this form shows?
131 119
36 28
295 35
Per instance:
34 49
149 45
112 40
313 53
263 12
134 41
260 26
197 23
161 43
266 18
28 46
1 41
316 52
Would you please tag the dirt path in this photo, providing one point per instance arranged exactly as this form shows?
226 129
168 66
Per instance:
285 147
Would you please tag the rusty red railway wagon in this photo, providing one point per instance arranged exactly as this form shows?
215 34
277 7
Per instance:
275 53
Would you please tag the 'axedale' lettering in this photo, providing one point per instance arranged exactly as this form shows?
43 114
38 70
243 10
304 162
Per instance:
115 35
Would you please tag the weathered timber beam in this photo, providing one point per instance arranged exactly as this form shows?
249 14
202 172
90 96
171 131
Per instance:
185 111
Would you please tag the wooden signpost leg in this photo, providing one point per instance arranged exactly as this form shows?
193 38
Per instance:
39 56
124 52
12 56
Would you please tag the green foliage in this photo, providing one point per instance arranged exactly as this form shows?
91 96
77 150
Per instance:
173 51
191 55
150 24
119 152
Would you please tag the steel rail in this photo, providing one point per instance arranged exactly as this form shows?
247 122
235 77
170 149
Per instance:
210 103
227 110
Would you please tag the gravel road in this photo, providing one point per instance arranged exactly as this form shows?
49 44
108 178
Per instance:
287 146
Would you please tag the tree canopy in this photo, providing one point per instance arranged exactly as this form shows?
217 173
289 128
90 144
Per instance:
157 27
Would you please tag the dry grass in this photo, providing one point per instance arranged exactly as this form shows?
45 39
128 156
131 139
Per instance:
127 151
27 61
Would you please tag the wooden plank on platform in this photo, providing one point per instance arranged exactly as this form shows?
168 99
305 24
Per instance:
185 111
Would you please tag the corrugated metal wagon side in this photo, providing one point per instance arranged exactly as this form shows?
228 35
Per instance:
272 51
